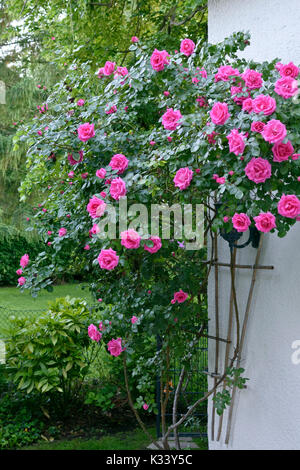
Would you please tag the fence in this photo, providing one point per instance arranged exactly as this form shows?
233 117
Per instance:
194 387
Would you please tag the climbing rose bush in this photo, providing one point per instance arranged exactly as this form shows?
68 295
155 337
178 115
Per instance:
171 128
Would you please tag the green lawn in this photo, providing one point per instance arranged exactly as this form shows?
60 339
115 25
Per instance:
12 300
135 440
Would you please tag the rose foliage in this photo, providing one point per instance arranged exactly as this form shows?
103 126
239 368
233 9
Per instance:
173 128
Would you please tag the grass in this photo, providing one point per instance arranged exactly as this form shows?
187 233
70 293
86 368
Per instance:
13 300
135 440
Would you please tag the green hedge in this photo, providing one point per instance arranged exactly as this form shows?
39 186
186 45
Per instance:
12 246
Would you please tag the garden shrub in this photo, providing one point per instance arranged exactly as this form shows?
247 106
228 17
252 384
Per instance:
51 354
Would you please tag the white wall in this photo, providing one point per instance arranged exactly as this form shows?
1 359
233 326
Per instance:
267 413
274 26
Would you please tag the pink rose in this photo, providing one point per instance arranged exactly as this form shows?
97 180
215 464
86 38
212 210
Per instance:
202 72
211 137
247 105
145 406
108 259
289 70
121 72
72 160
134 39
258 170
109 68
180 296
80 102
235 90
101 173
252 79
257 126
19 272
187 47
111 110
130 239
94 230
117 188
274 131
219 113
289 206
236 142
21 281
264 104
93 333
265 222
114 346
221 180
62 232
119 162
156 244
286 87
100 72
225 72
96 207
183 178
87 247
201 100
24 260
171 118
86 131
282 151
241 222
134 319
159 59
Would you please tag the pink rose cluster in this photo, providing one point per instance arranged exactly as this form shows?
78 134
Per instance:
111 69
288 206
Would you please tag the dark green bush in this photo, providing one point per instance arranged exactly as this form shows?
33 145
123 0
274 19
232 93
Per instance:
12 246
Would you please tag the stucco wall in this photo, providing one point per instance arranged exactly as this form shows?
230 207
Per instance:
267 413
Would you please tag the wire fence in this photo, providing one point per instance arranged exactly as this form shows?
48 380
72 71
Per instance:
8 314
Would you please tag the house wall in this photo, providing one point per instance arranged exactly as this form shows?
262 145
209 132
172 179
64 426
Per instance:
267 412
